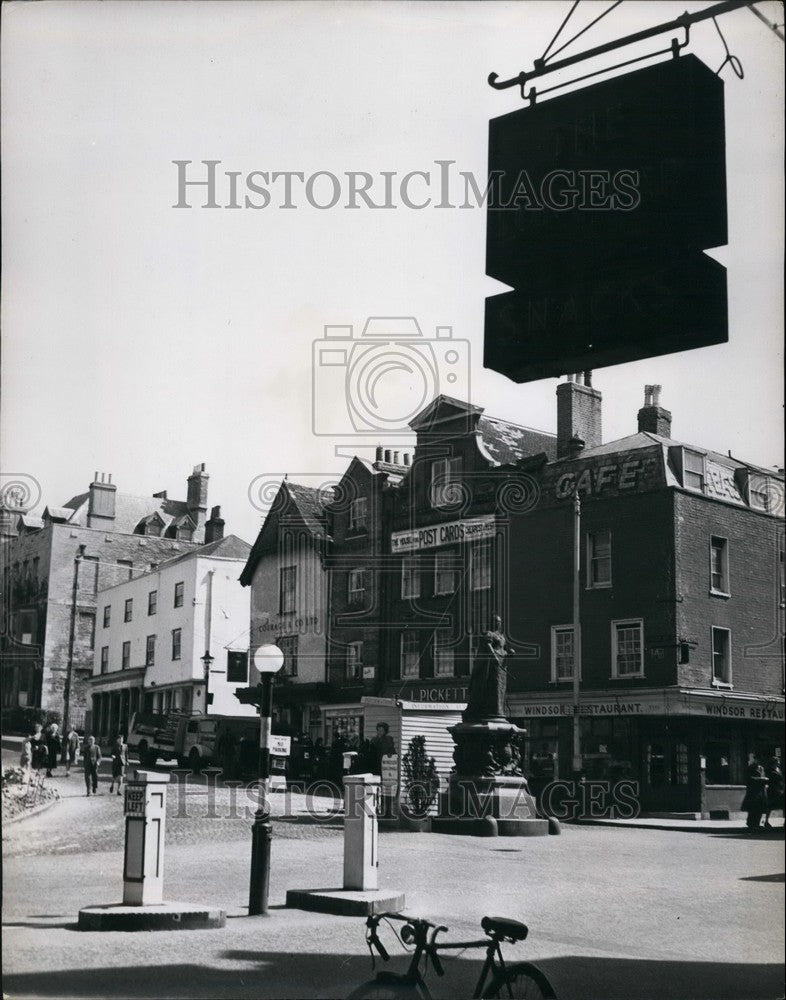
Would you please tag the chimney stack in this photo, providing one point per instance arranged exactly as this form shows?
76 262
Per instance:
197 495
101 504
578 415
214 528
653 418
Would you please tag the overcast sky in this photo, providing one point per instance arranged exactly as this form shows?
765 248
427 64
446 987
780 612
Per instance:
140 339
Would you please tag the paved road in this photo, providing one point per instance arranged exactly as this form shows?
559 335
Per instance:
613 913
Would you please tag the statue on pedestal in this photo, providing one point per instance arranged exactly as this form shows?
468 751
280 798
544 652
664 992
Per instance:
489 679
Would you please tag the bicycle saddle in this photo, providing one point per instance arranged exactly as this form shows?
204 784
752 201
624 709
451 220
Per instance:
505 928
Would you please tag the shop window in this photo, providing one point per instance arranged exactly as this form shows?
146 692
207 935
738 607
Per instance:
410 577
719 566
150 651
718 758
128 612
152 602
288 644
721 656
358 514
287 585
410 655
354 665
356 587
445 482
598 559
237 667
480 566
126 656
444 665
445 566
562 659
627 648
187 699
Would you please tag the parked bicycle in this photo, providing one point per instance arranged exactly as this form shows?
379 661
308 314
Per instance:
496 979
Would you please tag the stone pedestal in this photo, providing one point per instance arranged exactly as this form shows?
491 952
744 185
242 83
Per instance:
487 794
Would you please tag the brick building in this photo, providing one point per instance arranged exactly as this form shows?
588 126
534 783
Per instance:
54 565
681 593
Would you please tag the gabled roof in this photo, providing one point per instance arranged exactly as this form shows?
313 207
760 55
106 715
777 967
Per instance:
57 513
306 502
310 504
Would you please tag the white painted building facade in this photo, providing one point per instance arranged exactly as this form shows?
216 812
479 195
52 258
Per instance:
152 634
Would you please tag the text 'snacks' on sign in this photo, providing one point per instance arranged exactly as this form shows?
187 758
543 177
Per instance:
589 192
626 313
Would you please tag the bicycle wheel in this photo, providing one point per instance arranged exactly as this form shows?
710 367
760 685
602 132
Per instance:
522 981
385 989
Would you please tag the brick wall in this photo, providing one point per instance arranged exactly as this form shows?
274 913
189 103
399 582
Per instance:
752 611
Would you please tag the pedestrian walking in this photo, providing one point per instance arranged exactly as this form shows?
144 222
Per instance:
774 776
119 763
755 801
91 755
54 746
72 750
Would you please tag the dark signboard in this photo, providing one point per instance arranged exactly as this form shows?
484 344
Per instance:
626 167
600 204
625 313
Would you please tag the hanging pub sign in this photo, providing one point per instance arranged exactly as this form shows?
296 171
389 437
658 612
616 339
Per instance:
587 193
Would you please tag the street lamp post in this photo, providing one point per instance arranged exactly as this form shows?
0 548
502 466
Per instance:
207 660
577 760
268 660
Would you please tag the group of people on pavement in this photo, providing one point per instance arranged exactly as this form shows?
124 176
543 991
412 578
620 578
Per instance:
42 750
763 793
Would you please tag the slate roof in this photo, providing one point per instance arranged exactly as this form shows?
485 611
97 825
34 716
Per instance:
508 443
308 502
230 547
130 510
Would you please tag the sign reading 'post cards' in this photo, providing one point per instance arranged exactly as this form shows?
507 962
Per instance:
600 205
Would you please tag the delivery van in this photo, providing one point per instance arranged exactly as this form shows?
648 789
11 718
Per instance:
191 740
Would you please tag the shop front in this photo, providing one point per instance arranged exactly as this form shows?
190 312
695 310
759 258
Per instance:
687 750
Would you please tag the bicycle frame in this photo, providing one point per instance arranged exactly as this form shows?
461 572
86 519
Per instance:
427 945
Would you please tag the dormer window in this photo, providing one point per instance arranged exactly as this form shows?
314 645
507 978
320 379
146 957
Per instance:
693 470
759 492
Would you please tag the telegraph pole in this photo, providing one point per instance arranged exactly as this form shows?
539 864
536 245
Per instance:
577 762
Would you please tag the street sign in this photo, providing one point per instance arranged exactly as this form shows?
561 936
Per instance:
279 746
624 168
626 313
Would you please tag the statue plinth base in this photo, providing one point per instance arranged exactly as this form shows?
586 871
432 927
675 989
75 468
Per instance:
487 794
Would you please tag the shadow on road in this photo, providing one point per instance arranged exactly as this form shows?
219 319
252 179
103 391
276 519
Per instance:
284 975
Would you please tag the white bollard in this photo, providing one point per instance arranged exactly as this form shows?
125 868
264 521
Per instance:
361 859
143 868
